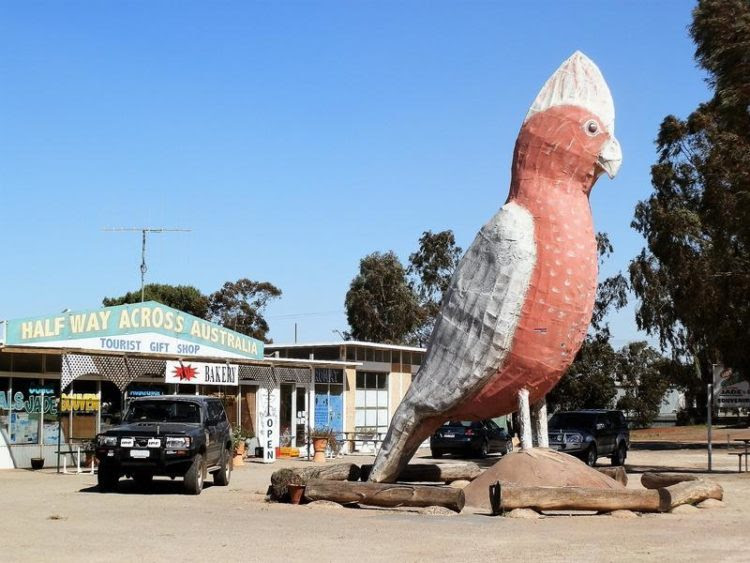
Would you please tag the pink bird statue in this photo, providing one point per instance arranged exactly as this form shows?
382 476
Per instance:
521 299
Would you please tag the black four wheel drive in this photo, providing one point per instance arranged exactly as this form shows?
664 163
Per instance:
590 434
184 436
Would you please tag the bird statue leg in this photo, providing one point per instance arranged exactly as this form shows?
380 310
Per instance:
524 420
539 415
405 434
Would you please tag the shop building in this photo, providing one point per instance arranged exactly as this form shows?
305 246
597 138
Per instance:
359 399
66 377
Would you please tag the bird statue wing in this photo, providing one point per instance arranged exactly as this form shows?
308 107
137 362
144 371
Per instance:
472 333
477 321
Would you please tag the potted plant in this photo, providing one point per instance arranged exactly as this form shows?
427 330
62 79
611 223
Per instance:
320 437
296 488
238 442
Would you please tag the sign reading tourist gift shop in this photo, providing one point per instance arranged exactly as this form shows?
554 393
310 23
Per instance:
148 327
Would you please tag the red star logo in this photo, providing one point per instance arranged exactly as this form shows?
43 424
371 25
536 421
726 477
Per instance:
185 373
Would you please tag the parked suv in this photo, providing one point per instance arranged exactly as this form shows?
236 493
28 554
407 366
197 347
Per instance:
184 436
590 434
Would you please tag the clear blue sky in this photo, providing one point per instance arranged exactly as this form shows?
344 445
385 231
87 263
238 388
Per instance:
294 138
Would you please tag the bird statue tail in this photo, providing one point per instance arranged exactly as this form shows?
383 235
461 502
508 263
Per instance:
405 434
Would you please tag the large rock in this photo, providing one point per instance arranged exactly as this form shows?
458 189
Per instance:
538 467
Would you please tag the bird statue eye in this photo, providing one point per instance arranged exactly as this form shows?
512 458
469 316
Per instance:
591 127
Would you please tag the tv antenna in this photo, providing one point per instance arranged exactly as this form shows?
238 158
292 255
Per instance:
144 231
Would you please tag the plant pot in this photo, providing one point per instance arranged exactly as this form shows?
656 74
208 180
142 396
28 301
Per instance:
240 449
319 445
37 462
296 493
238 459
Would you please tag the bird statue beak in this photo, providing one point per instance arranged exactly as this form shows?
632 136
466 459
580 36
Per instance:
610 158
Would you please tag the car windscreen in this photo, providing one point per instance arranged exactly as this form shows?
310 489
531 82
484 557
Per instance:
464 423
572 420
163 411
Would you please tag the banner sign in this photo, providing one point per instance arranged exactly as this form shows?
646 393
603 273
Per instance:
199 373
731 390
269 438
139 327
79 402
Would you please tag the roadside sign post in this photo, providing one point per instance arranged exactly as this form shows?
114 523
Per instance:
709 405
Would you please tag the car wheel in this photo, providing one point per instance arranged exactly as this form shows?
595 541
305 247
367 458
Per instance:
618 458
484 450
436 453
143 479
591 455
193 479
222 475
107 477
508 447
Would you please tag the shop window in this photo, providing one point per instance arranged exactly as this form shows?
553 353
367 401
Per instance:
351 354
329 375
301 420
371 402
5 361
5 405
25 412
49 395
27 363
52 363
416 358
327 353
405 358
369 355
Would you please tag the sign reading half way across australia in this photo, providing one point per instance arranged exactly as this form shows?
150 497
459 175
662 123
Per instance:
148 327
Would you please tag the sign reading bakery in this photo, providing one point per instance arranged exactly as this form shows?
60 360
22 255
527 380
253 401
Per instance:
200 373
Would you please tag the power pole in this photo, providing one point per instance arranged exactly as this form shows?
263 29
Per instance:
144 231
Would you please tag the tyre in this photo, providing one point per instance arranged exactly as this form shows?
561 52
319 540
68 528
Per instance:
436 453
193 478
591 455
143 479
222 475
107 477
508 447
618 458
484 449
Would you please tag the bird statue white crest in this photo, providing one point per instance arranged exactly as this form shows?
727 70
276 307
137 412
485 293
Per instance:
521 299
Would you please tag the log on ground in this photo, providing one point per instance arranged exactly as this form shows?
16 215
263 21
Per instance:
301 475
433 472
652 480
385 494
689 492
617 473
578 498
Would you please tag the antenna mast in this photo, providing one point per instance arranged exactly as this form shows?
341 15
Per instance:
144 231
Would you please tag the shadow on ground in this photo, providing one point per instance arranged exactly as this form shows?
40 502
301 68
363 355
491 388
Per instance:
156 487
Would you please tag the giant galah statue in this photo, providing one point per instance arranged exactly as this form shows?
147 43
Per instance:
521 299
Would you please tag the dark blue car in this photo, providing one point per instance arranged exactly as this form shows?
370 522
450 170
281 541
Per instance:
470 438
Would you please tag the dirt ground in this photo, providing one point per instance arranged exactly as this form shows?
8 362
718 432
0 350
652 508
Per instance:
721 435
50 517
